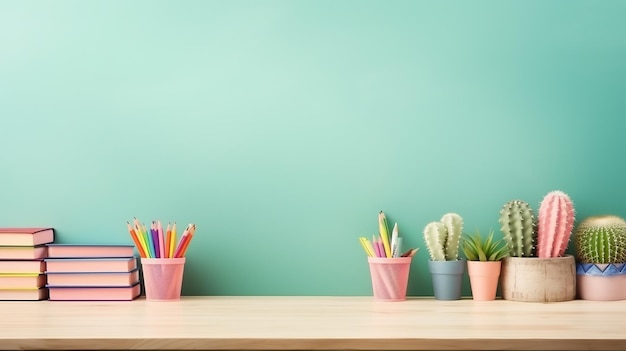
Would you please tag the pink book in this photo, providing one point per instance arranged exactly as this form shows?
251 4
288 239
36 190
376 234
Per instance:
25 266
94 293
24 294
23 252
104 265
86 251
22 281
92 279
26 236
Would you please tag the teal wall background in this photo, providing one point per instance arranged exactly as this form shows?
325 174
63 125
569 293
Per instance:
281 128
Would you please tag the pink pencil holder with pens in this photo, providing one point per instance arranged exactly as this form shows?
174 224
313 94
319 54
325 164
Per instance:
163 278
390 277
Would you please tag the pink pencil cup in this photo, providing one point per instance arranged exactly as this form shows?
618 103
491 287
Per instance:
390 277
163 278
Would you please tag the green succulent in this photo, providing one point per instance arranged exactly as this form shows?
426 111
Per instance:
477 249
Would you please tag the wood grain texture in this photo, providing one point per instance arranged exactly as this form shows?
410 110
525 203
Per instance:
532 279
312 323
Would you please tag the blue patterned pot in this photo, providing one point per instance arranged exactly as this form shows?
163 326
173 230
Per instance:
601 281
601 269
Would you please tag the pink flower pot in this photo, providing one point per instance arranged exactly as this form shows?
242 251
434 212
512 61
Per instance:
601 282
484 276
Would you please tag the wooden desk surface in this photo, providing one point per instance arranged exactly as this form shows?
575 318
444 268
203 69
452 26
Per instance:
312 323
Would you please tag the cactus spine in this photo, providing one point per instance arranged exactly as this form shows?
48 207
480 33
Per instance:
454 227
442 238
517 224
601 239
435 236
556 221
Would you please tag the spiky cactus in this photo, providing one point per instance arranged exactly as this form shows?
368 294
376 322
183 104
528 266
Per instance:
454 227
601 239
442 238
517 224
435 237
556 221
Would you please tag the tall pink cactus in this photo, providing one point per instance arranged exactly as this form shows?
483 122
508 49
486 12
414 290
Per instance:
555 224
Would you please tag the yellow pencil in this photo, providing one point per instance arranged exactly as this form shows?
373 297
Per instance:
136 240
367 246
172 241
142 237
383 228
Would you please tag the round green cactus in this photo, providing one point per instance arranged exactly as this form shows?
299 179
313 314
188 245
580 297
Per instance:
601 239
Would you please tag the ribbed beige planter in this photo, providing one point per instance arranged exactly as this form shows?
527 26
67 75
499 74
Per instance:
532 279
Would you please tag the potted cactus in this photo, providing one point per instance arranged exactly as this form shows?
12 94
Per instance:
537 269
442 240
600 243
484 260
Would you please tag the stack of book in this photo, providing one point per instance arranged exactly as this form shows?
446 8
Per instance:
92 272
22 266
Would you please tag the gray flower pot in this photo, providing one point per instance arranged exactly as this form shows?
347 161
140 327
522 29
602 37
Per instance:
447 278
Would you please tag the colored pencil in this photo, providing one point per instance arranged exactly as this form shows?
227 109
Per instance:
143 237
181 242
376 246
159 243
136 240
150 241
183 250
366 246
394 240
155 240
384 233
161 240
142 245
381 248
168 240
146 239
173 241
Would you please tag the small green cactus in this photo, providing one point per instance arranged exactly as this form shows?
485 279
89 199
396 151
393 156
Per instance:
601 239
442 238
517 224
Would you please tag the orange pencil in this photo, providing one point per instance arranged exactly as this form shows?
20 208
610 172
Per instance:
138 230
184 250
182 241
168 240
136 222
143 237
185 245
136 240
